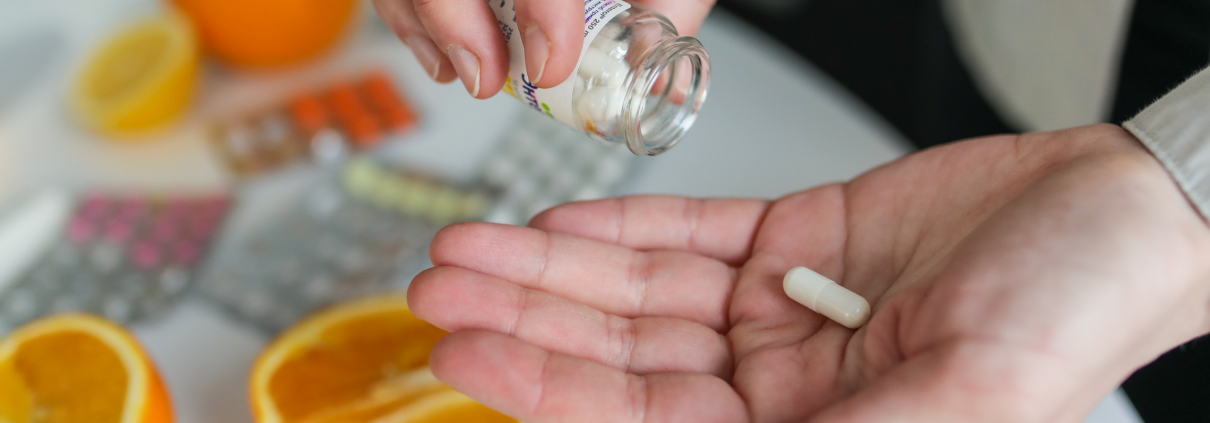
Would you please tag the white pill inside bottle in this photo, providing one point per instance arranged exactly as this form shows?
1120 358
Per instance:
599 103
603 68
822 295
593 60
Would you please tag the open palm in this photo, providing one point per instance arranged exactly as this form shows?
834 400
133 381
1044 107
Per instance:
1011 279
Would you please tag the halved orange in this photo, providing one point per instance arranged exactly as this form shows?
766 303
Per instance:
445 406
141 78
78 368
362 361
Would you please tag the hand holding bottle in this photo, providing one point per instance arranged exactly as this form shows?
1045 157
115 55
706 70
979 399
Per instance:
462 38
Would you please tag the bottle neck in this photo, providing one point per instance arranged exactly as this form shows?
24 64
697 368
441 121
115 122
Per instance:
664 94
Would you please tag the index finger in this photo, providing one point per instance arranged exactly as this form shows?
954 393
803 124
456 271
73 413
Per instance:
607 277
538 386
722 229
467 32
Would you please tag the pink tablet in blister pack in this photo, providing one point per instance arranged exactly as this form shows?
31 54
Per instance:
123 256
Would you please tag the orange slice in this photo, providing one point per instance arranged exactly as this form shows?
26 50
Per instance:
78 368
141 78
362 361
444 407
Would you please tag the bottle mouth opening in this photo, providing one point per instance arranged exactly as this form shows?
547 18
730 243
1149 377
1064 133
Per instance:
668 91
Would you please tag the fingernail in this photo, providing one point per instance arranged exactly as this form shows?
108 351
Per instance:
537 50
426 53
467 66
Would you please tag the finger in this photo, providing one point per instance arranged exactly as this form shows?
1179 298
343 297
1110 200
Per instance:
457 299
552 33
686 15
720 228
613 279
537 386
466 30
401 17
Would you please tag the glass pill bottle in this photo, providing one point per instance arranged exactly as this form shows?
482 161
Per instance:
637 83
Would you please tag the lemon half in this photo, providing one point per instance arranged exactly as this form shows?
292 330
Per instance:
141 78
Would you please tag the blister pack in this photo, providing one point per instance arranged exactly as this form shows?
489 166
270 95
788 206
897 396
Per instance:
539 164
123 256
362 229
324 125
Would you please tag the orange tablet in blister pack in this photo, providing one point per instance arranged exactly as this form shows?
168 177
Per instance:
354 116
309 114
323 125
385 98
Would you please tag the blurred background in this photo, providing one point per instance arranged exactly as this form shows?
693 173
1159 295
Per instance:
207 172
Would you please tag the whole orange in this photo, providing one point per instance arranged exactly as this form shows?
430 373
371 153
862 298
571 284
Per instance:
268 33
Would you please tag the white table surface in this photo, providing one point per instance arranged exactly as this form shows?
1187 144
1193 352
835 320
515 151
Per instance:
773 124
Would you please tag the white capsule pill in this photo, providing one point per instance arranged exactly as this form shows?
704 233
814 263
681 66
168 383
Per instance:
594 104
825 297
603 68
614 74
600 104
578 87
592 62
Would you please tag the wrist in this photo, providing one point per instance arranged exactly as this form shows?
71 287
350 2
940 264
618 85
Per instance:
1188 243
1115 159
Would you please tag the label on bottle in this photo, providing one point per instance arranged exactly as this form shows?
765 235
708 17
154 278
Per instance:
555 101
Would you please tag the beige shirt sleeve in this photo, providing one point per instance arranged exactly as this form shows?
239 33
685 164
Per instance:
1177 131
